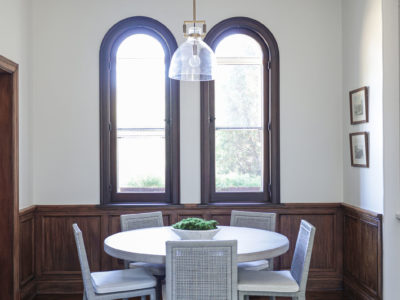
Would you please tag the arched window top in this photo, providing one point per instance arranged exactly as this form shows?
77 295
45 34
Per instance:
249 28
137 26
140 46
238 45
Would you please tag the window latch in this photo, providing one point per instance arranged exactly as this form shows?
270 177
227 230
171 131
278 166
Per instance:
212 119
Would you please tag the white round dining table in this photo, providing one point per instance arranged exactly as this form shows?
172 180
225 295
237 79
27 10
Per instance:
148 244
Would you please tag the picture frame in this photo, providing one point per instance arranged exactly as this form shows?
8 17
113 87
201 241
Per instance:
359 106
359 149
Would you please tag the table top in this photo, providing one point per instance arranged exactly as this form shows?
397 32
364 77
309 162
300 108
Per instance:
148 244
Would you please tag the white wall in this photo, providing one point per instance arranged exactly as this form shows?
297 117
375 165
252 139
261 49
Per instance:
362 66
67 37
14 45
391 149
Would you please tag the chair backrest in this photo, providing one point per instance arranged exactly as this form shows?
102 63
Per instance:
258 220
87 280
201 270
302 254
144 220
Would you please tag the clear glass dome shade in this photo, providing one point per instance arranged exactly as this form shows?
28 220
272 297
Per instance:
193 61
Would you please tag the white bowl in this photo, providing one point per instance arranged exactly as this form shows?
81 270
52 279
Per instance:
196 234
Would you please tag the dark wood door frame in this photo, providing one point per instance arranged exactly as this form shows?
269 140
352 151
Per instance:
9 203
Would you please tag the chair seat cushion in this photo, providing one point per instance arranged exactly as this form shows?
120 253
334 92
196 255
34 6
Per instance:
257 265
267 281
122 280
155 269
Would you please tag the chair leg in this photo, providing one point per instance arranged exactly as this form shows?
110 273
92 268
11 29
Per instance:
272 298
159 287
152 295
270 265
242 296
143 298
301 297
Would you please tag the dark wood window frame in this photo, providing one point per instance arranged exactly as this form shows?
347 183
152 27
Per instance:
271 191
114 37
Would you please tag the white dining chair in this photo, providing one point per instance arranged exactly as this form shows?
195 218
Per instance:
143 220
116 284
257 220
291 283
139 221
201 270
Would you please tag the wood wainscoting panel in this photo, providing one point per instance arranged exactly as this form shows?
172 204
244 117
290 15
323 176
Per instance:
222 218
27 253
368 259
324 246
327 258
167 220
114 222
27 246
352 241
57 269
57 253
362 254
184 215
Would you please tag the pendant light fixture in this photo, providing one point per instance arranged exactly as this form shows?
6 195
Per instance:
193 60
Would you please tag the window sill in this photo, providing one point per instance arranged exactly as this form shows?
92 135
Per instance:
189 205
144 204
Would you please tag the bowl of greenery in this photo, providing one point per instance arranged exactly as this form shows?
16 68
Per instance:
195 229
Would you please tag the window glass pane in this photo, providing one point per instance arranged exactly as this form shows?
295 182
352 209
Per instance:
239 115
140 83
239 160
140 109
238 45
238 95
141 161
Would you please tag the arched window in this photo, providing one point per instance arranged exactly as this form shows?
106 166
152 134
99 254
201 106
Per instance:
139 114
240 116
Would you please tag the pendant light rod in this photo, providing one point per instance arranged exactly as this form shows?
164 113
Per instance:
194 11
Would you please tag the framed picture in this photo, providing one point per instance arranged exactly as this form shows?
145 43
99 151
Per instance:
359 149
359 106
